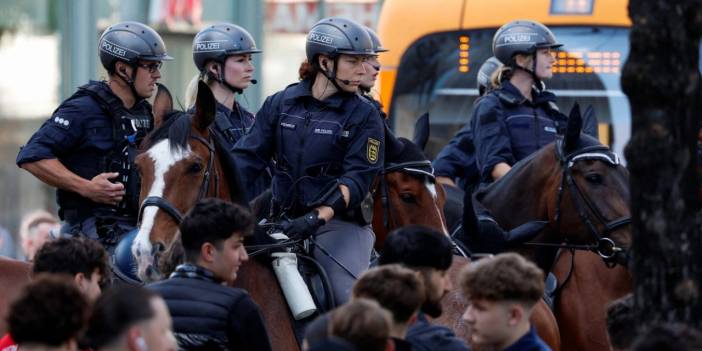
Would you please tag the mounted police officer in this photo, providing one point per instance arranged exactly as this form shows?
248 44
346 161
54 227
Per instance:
328 145
87 148
223 55
457 159
519 117
372 71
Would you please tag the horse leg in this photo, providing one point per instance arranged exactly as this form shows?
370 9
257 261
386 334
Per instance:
261 283
454 305
581 306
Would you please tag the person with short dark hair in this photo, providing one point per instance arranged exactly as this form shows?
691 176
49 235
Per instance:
363 323
80 259
621 325
49 315
397 289
207 312
83 259
130 318
430 253
502 292
669 337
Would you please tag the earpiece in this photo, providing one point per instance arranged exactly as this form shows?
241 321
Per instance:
141 344
253 81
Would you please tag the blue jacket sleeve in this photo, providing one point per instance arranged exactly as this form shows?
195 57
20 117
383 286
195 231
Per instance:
491 137
254 150
364 157
458 154
58 135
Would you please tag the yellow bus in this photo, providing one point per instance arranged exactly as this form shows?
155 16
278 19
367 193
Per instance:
437 46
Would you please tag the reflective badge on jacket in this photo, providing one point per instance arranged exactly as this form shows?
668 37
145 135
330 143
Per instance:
373 150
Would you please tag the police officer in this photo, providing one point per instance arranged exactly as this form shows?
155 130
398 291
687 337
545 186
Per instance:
87 148
372 71
328 145
457 159
518 118
223 55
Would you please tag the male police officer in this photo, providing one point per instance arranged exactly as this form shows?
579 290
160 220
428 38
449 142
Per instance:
87 148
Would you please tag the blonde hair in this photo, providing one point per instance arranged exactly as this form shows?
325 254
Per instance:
505 72
191 89
32 219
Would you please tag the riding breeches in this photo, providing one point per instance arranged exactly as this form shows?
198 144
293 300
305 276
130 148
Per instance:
343 249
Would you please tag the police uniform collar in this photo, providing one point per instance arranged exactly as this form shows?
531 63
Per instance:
511 94
103 85
303 90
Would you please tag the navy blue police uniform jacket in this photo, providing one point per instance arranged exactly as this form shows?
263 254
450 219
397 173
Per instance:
316 145
508 127
79 134
231 125
458 160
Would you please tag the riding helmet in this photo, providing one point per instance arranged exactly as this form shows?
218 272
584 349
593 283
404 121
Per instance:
219 41
130 42
521 37
334 36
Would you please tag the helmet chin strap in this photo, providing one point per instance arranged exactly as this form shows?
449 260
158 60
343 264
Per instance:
130 81
223 80
331 76
538 83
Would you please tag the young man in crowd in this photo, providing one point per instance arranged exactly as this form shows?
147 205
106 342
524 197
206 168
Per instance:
82 260
49 315
397 289
363 323
206 310
429 253
130 318
502 292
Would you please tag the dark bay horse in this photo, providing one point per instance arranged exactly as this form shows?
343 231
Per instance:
581 190
406 193
181 162
14 276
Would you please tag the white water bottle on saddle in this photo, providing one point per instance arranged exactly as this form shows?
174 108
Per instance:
296 292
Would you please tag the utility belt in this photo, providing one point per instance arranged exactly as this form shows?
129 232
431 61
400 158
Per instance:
109 227
332 169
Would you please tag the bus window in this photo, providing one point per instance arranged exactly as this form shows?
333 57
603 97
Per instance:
437 74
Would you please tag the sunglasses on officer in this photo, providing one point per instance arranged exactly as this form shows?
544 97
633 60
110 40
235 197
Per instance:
150 67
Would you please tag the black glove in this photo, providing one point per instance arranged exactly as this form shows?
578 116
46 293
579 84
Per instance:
303 227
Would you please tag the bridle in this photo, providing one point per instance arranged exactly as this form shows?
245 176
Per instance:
418 168
604 246
167 206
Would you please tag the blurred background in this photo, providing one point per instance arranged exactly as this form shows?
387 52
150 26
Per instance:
49 47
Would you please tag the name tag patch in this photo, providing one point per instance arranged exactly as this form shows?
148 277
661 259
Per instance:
287 125
550 129
323 131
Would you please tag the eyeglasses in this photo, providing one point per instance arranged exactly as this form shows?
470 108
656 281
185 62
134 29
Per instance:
151 67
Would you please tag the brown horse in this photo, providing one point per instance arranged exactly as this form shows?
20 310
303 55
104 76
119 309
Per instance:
406 194
581 190
181 162
14 276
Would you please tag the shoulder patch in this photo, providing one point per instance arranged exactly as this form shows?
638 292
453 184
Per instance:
60 122
373 150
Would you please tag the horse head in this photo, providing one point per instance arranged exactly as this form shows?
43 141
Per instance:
177 166
575 184
406 192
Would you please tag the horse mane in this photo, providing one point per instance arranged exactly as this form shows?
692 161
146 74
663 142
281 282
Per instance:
176 127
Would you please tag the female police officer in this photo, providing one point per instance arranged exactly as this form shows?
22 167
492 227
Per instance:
222 53
518 118
86 149
327 143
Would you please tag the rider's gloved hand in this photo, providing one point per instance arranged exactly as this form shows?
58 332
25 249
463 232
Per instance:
303 227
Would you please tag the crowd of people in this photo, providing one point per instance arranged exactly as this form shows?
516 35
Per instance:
318 145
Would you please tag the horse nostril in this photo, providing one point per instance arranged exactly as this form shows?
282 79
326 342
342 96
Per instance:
158 248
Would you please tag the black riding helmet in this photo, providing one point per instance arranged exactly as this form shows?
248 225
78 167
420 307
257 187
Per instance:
522 37
334 36
130 42
377 46
219 41
485 72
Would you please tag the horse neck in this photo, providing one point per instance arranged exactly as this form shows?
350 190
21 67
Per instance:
527 195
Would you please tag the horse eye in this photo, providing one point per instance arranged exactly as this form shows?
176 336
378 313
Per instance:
594 178
195 168
408 198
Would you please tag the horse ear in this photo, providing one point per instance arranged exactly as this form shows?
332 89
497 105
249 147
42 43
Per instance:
575 125
163 104
205 107
393 146
421 131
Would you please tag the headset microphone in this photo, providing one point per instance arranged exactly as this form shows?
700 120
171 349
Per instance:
347 82
253 81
